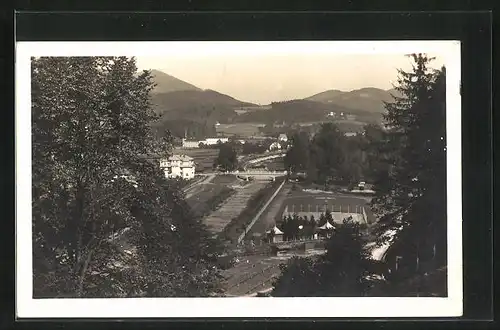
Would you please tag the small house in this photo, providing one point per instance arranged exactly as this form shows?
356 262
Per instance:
275 235
282 138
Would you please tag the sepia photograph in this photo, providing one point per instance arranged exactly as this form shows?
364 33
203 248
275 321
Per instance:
244 176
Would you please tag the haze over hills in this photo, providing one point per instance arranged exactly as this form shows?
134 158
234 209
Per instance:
185 106
367 99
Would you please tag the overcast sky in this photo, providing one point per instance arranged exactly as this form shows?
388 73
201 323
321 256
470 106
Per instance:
266 78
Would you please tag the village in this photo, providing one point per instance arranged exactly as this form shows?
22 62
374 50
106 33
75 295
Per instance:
288 220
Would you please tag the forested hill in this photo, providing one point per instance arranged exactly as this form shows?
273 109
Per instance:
367 99
186 99
298 111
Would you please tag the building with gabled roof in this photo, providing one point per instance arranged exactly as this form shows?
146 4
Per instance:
178 166
283 137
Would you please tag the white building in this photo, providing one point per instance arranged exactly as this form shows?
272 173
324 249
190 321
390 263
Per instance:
214 141
283 138
190 144
178 166
275 146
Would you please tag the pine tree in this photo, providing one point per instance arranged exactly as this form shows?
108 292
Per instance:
343 271
413 198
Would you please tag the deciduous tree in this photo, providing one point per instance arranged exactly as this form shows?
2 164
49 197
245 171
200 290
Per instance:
92 181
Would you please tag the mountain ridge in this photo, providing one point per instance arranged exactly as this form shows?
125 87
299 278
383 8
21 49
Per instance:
171 93
166 83
367 98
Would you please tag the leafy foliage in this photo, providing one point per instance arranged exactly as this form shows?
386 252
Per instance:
92 183
328 157
227 159
297 157
343 271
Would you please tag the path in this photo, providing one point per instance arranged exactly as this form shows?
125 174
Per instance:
268 219
197 187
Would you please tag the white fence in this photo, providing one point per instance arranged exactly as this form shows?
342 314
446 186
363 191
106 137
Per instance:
258 172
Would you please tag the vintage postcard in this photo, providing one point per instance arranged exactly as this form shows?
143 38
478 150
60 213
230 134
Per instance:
238 179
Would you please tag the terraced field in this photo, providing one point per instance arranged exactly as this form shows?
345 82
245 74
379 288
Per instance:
200 195
232 207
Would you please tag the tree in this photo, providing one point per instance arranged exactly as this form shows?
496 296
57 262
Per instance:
329 216
322 220
343 271
297 157
93 182
347 262
413 198
376 166
327 153
313 225
298 278
227 159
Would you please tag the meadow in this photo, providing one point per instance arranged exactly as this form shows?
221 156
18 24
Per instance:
240 129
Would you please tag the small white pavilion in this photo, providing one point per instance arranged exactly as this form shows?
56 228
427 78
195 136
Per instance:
277 234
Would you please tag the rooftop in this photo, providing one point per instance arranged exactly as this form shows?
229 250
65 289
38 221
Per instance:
180 158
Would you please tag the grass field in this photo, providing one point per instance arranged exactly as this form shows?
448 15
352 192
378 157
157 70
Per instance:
241 129
200 201
350 125
248 207
299 201
234 205
277 164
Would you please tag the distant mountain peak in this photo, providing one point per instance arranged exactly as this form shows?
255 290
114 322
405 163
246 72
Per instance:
166 83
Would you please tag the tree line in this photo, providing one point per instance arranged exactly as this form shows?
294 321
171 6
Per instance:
407 163
328 156
296 227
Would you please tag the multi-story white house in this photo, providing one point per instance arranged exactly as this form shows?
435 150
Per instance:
178 166
275 146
